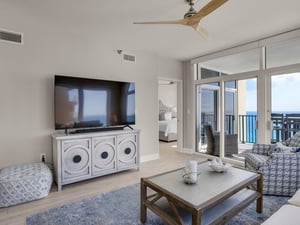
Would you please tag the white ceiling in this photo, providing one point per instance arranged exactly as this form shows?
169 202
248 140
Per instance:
234 23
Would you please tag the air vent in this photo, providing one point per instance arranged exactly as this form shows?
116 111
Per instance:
129 58
11 37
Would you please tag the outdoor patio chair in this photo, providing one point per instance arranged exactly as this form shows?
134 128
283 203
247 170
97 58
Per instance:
213 142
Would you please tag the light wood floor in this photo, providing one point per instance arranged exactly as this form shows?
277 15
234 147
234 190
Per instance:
169 159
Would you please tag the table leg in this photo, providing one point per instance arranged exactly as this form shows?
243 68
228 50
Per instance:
259 201
143 216
196 218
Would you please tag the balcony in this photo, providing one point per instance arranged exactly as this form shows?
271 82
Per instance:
285 125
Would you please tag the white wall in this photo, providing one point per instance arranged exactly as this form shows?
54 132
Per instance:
167 93
188 108
57 47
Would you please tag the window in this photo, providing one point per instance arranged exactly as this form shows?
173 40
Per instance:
234 93
232 64
285 112
283 53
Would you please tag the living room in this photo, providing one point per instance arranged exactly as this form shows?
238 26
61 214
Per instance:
80 39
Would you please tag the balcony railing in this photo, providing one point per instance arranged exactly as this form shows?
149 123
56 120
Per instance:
247 128
284 126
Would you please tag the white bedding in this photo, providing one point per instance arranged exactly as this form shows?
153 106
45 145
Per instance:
168 126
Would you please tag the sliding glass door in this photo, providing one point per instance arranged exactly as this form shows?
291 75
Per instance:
240 116
285 110
239 112
208 96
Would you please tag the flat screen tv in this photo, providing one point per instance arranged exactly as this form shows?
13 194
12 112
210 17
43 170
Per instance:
86 103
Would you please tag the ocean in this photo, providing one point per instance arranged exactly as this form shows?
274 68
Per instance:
250 135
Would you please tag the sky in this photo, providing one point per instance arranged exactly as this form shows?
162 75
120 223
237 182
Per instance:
251 95
285 93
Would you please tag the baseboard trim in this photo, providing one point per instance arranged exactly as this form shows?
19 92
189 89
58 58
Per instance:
188 150
151 157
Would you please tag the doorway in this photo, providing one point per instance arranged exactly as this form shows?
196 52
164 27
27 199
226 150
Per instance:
231 105
169 114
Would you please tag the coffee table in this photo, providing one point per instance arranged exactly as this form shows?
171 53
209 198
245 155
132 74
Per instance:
214 199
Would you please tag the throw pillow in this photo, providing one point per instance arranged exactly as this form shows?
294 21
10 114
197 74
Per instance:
286 142
168 116
295 200
280 148
262 149
295 140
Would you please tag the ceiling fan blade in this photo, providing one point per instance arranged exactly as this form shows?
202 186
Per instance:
202 32
193 21
182 21
207 9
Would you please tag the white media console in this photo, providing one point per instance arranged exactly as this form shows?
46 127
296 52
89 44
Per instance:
78 157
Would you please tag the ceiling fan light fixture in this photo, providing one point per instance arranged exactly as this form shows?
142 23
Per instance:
190 13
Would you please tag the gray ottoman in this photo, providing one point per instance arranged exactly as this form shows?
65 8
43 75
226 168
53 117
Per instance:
24 183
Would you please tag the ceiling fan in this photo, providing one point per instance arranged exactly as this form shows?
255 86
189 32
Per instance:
192 17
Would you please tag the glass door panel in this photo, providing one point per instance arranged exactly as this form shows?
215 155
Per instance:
285 111
240 113
207 117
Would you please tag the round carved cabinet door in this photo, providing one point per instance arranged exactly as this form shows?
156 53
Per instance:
76 158
104 155
126 151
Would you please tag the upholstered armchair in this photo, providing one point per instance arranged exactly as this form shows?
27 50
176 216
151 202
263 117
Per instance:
213 142
279 165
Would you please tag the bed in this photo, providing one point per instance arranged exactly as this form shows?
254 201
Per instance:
168 130
167 123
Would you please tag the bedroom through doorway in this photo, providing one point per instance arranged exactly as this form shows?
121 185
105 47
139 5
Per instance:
168 114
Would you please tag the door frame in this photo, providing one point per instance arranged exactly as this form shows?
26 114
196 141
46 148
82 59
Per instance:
179 109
